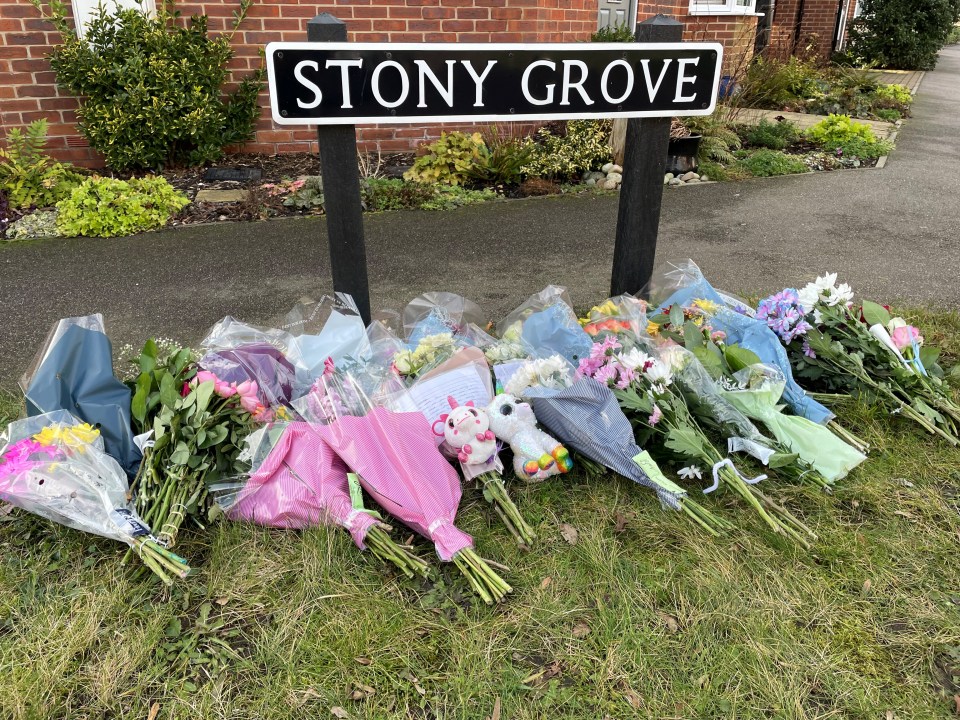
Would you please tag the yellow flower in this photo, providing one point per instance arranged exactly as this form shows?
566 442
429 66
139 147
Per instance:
653 328
74 436
706 305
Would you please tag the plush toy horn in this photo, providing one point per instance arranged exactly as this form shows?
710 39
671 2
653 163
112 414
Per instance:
453 402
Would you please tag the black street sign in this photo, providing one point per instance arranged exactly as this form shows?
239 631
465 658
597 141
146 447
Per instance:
340 83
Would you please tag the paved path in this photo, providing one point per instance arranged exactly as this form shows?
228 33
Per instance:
891 233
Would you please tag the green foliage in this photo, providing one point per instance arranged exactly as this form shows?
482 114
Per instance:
501 160
447 160
307 195
773 135
394 194
615 33
779 85
903 34
719 138
891 102
41 224
954 37
29 177
584 147
152 92
768 163
836 129
106 207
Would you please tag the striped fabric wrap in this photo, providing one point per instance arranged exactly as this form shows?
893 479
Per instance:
400 466
301 483
587 417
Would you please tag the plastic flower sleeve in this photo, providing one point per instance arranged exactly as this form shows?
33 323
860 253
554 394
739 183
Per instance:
684 283
329 328
439 312
54 466
74 372
759 391
546 325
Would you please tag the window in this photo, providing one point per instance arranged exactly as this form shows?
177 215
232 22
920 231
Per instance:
84 10
723 7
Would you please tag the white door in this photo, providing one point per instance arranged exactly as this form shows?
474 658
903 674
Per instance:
614 13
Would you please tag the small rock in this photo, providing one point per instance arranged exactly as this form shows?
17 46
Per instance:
591 181
667 178
676 181
689 176
609 184
691 181
606 168
704 178
615 169
222 196
616 177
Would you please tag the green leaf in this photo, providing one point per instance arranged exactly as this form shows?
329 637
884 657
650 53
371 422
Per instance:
739 358
710 360
203 392
929 356
181 455
875 314
148 356
138 406
676 316
686 442
781 459
692 336
168 391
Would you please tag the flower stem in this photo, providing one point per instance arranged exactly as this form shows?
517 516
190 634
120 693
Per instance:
496 493
486 583
383 546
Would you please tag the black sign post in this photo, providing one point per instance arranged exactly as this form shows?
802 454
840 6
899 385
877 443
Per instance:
341 190
641 192
337 85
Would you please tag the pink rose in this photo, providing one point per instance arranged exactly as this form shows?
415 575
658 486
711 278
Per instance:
205 376
904 337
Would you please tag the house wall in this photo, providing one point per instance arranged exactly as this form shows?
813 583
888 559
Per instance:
803 28
28 89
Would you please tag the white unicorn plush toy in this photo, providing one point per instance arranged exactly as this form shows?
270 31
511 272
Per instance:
536 455
466 429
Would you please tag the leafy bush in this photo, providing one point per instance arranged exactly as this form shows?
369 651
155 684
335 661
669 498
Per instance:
306 194
30 177
501 160
106 207
447 160
616 33
895 98
836 129
773 135
584 147
904 34
767 163
394 194
41 224
151 91
779 85
719 138
851 139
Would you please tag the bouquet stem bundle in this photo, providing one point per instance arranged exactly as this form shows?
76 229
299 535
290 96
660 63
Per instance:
495 492
160 560
485 582
400 556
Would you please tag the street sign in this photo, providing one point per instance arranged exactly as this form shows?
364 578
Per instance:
341 83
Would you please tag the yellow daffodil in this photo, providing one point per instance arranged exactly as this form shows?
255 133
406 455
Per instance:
74 436
707 306
652 328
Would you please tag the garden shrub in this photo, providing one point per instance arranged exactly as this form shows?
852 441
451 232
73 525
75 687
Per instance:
106 207
891 98
773 135
719 138
306 194
903 34
779 85
768 163
584 147
615 33
41 224
28 176
447 160
501 160
152 92
838 133
381 194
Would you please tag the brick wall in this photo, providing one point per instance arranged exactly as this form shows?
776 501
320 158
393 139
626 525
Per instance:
803 28
28 90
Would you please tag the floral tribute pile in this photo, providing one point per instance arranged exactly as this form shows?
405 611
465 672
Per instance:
325 421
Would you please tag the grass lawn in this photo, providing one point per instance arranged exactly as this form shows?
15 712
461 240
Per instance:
643 617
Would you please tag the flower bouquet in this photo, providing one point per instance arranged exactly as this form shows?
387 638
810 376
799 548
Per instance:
402 469
644 387
861 350
454 398
585 415
54 466
296 481
198 422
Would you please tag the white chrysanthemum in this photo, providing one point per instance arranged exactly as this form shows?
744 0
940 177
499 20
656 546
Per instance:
690 472
826 282
817 317
551 372
634 359
843 293
809 296
659 373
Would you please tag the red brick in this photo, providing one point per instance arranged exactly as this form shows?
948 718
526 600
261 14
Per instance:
474 13
457 25
406 12
438 12
19 10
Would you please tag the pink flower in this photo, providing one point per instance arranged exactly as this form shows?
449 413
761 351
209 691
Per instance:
606 374
627 376
205 376
718 336
250 404
328 366
904 337
655 416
